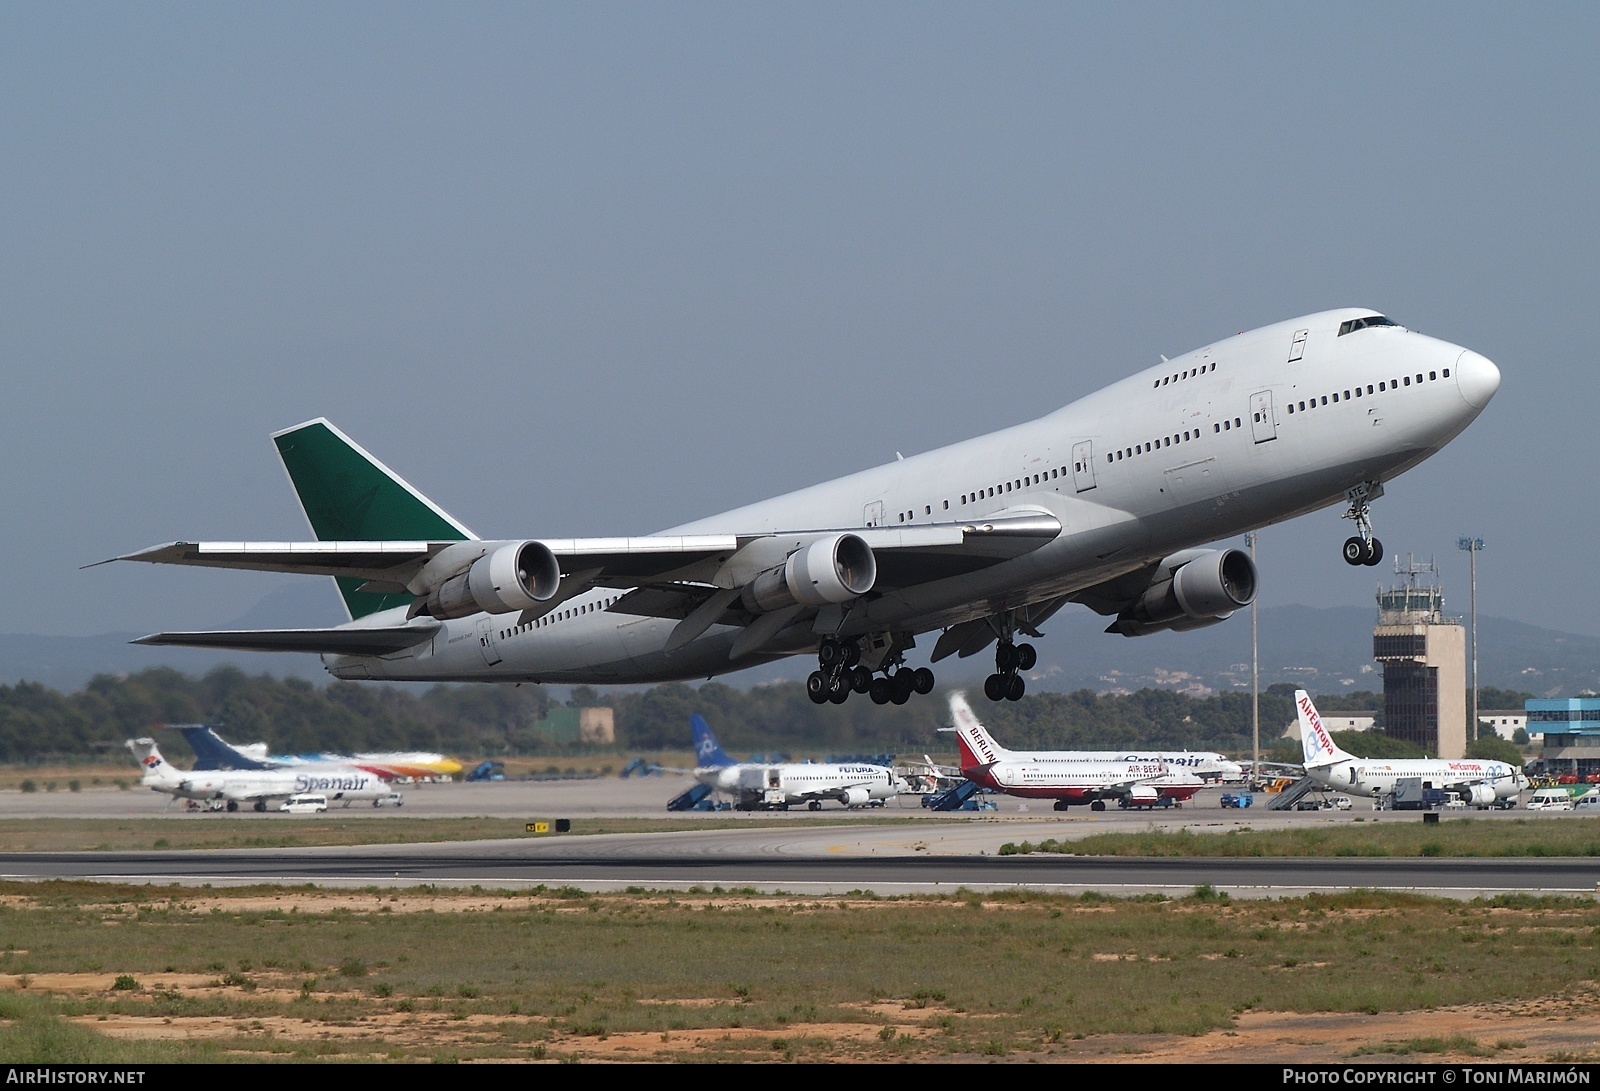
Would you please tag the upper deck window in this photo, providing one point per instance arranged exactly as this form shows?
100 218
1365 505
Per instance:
1368 322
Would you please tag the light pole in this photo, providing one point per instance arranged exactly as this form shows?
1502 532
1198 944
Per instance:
1255 686
1473 546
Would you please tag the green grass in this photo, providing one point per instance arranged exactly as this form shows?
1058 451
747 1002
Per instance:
224 831
564 972
1391 836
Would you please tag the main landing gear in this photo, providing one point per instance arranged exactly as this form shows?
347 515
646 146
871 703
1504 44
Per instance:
1006 683
1363 549
841 673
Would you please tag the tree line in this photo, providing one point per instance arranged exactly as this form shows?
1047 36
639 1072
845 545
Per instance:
471 721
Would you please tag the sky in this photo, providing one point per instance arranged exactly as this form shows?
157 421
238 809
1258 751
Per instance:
584 269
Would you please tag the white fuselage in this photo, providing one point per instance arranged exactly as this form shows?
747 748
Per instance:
1378 777
1202 447
242 786
780 785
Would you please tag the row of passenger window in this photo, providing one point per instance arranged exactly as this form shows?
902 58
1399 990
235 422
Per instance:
1182 375
1017 484
1356 392
559 615
1176 439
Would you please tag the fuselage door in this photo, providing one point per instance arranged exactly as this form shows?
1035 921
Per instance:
486 641
1262 424
1297 348
873 515
1083 465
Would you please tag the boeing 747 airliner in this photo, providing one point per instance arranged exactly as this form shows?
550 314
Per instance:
1108 502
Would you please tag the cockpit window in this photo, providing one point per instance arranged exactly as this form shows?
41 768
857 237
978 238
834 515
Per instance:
1364 323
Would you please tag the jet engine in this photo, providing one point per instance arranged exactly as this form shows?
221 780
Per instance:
1478 795
515 576
833 569
1189 590
854 797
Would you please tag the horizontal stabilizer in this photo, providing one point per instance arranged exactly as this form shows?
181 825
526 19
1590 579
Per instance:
339 641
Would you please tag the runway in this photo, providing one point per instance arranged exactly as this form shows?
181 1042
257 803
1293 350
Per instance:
926 859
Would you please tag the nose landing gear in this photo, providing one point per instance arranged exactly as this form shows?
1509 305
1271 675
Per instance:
1006 683
1363 548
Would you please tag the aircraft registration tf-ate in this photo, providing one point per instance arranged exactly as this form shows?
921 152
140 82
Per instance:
1106 502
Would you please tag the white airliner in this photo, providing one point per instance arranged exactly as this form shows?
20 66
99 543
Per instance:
1107 502
781 785
1476 781
212 752
1063 775
255 786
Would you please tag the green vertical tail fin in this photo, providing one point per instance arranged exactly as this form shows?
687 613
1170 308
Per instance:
349 496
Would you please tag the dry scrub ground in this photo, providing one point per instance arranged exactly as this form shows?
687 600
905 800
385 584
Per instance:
275 1012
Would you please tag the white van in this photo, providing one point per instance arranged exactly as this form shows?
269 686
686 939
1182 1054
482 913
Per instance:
1550 799
1589 802
304 804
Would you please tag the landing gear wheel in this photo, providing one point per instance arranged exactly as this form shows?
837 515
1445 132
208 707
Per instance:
1016 688
817 687
1005 658
233 805
994 687
1026 657
1063 805
1355 551
1098 805
1376 554
839 690
815 805
922 681
903 684
261 806
880 691
852 654
861 679
830 652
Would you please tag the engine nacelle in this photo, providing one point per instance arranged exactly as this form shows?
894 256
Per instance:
1479 795
854 797
1190 590
516 576
829 570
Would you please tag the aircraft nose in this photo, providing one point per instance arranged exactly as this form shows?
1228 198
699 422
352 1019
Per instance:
1477 378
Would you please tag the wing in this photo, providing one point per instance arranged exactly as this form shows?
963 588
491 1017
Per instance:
352 640
695 579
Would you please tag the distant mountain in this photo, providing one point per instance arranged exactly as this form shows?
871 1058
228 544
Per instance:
1324 650
66 663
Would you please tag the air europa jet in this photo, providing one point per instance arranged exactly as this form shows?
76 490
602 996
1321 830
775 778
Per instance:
1477 781
1108 502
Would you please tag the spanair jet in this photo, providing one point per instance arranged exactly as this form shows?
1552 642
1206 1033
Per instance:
781 785
1478 782
1108 503
1064 775
256 787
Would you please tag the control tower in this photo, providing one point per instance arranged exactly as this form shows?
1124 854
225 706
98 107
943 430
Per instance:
1424 657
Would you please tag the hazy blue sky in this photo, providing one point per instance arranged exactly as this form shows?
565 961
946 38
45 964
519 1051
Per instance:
598 269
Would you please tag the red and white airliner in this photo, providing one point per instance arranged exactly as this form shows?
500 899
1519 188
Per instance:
1062 775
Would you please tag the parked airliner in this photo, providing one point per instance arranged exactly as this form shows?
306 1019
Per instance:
1062 775
781 785
254 786
211 751
1476 781
1108 502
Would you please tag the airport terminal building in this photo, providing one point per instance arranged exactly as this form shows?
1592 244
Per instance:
1571 728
